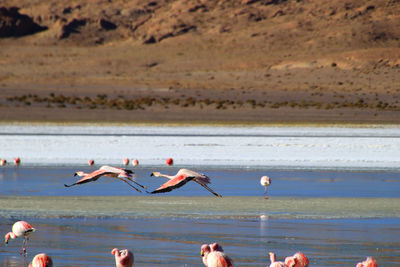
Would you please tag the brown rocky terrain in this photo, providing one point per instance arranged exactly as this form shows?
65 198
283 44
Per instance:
206 61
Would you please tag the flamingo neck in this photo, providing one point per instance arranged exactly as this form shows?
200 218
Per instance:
166 176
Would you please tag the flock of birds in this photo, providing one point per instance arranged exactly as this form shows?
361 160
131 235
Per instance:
212 254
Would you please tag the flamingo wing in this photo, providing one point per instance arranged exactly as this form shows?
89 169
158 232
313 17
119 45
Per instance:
116 170
176 182
93 176
199 177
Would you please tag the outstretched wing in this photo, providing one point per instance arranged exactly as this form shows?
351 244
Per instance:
93 176
172 184
116 170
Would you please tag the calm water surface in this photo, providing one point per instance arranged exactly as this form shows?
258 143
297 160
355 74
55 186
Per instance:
336 218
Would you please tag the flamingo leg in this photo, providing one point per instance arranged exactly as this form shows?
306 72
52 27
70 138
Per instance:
265 192
128 184
133 181
209 189
24 246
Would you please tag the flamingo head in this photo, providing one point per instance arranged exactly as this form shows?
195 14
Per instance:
156 174
205 249
123 257
41 260
8 236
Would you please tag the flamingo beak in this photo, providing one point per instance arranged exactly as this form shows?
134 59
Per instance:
202 253
75 174
152 174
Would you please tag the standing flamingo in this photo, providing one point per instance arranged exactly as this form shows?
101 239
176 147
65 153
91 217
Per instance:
113 172
123 257
41 260
369 262
265 181
297 260
213 256
20 229
182 177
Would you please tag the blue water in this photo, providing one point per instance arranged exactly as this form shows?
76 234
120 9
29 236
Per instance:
173 240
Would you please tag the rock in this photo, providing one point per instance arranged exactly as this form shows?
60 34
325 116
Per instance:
71 27
14 24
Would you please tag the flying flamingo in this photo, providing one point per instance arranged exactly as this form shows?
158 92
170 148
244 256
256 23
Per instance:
265 181
113 172
123 257
297 260
41 260
369 262
20 229
213 256
182 177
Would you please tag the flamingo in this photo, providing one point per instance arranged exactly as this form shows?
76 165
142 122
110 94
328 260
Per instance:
123 257
265 181
125 161
90 162
169 161
297 260
182 177
275 263
108 171
213 256
17 161
20 229
369 262
3 162
41 260
135 162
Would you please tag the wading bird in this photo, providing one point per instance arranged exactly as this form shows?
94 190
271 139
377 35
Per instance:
369 262
265 181
108 171
213 256
182 177
297 260
275 263
123 257
41 260
20 229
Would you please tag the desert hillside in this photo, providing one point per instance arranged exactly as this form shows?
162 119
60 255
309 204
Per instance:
248 60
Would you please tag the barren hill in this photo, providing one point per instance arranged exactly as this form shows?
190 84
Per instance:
242 60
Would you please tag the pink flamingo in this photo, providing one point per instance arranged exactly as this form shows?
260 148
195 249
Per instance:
135 162
182 177
123 257
265 181
125 161
369 262
17 161
297 260
3 162
275 263
90 162
213 256
20 229
169 161
41 260
108 171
